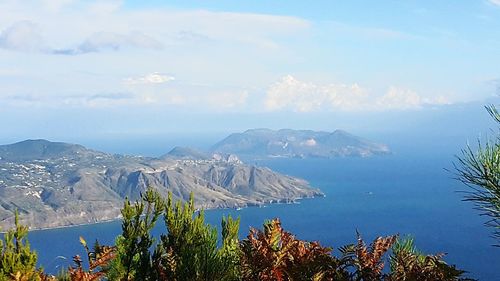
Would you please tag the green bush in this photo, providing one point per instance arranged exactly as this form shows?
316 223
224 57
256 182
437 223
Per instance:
190 251
133 258
17 261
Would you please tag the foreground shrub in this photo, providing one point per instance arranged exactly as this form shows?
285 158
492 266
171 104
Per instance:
17 261
190 251
275 254
133 257
407 263
98 260
366 263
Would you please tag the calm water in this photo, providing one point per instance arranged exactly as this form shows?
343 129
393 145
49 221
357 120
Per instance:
405 193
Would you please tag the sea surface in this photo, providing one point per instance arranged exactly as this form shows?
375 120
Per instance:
408 193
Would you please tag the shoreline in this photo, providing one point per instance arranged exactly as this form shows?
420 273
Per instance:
236 208
73 225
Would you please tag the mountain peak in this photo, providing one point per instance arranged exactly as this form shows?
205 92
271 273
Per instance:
54 183
38 149
341 132
298 143
258 131
181 152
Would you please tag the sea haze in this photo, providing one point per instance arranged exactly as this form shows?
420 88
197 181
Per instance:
407 192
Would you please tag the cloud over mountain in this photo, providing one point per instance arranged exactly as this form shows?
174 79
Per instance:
290 93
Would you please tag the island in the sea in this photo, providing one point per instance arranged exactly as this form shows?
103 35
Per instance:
53 184
298 144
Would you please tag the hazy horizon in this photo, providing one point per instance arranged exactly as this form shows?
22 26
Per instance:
445 126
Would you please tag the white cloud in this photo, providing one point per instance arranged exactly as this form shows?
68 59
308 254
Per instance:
495 2
79 48
56 5
112 41
141 94
22 36
26 36
397 98
152 78
292 94
289 92
92 26
226 53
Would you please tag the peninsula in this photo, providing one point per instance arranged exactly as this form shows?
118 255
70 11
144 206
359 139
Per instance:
53 184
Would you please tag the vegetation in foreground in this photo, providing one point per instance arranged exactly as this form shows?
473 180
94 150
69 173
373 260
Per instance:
190 251
480 170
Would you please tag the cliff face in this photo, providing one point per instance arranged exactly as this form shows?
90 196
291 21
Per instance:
57 184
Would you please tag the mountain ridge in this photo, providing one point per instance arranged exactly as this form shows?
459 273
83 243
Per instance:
38 148
55 184
298 143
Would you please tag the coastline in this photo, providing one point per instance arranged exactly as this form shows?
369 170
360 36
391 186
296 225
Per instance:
71 225
237 207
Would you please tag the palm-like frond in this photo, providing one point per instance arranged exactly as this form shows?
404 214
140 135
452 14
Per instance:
480 171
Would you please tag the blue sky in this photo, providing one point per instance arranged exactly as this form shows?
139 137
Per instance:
80 68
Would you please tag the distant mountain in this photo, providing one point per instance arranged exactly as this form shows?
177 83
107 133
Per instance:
39 149
180 152
57 184
298 143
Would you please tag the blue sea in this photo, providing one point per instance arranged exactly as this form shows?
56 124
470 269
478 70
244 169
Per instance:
408 193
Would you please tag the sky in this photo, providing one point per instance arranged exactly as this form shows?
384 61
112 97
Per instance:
72 69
